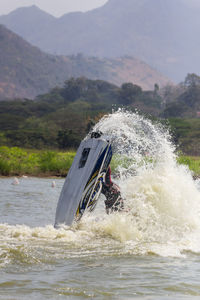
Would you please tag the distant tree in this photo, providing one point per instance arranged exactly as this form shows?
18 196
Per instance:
67 139
192 80
191 98
175 109
75 88
156 88
170 93
129 93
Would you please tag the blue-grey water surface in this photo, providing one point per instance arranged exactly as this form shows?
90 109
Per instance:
101 258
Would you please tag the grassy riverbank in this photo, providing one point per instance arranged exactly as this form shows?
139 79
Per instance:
16 161
193 162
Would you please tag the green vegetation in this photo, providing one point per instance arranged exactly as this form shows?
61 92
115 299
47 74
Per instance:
186 135
16 161
192 162
62 117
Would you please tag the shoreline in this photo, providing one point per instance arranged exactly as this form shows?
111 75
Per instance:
43 176
33 176
19 162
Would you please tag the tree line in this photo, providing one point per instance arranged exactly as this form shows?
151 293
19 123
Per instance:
61 118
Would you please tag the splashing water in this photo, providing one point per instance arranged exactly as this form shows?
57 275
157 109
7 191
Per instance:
162 199
162 204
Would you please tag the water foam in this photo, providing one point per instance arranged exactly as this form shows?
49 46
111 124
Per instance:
162 199
162 204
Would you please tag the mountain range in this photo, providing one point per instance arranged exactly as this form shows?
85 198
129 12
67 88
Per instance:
163 33
26 71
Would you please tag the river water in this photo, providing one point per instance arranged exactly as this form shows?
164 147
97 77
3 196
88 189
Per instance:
151 251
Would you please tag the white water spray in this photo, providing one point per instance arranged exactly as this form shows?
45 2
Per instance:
162 199
162 203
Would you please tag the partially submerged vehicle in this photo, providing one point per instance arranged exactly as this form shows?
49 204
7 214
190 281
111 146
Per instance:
83 184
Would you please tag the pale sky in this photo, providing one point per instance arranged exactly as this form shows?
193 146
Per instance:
61 7
54 7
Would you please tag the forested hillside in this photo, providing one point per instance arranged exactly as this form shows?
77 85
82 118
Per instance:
62 117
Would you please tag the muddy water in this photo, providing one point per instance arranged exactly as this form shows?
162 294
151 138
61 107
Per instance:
102 258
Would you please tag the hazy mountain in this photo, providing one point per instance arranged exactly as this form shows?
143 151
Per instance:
26 71
28 22
163 33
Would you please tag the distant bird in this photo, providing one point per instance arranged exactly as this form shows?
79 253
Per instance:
53 184
15 181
